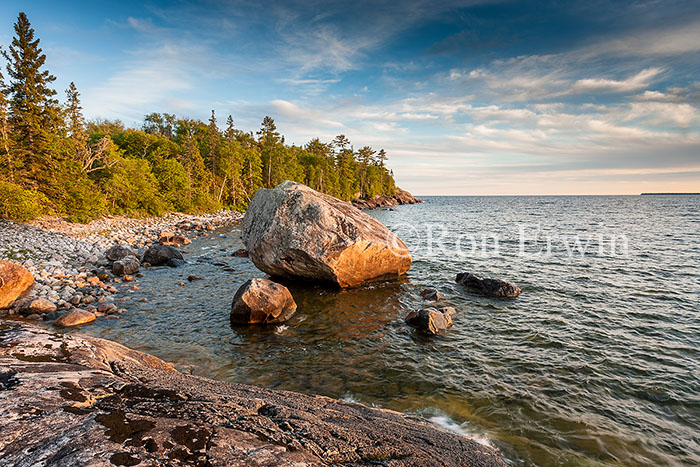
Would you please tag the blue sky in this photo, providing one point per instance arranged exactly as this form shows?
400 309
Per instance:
467 97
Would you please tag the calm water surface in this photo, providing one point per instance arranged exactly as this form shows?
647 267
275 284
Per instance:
597 362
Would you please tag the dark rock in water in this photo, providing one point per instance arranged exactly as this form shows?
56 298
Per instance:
118 252
107 308
488 287
125 266
261 301
430 320
431 294
162 255
15 282
241 253
194 278
174 262
78 400
295 232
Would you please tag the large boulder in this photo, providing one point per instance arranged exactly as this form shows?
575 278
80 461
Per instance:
160 255
488 287
430 320
125 266
15 281
294 232
118 252
261 301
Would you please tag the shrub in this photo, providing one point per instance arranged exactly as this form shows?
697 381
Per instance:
19 204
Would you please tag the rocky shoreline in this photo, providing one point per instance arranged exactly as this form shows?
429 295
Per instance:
399 198
68 260
78 400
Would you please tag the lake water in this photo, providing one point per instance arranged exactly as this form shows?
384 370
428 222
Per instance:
597 362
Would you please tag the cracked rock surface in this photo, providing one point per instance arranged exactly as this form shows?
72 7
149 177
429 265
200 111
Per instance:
71 400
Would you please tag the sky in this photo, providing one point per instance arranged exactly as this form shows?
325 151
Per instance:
467 97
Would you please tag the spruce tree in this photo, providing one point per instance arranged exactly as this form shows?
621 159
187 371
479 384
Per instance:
7 162
34 114
269 138
74 113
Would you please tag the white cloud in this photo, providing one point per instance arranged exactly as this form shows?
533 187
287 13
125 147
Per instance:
634 83
150 81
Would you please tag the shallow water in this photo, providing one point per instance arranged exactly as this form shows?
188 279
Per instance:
597 362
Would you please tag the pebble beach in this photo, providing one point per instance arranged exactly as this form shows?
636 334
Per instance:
68 260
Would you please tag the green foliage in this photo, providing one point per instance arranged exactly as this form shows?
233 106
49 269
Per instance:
52 161
19 204
131 188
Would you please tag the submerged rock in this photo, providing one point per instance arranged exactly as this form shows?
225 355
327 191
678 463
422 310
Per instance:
126 266
15 281
161 255
78 400
489 287
241 253
75 318
430 320
118 252
261 301
431 294
295 232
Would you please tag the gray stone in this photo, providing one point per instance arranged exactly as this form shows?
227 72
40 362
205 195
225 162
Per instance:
118 252
162 255
125 266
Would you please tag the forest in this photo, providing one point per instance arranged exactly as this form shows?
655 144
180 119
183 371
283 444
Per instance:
54 162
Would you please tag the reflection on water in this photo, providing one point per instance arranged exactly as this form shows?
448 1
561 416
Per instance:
596 363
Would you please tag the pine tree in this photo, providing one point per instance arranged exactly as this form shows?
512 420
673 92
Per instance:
34 116
213 138
231 132
365 155
74 113
269 138
8 163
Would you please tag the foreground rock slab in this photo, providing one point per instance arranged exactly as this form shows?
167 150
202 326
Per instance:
488 287
294 232
73 400
15 280
261 301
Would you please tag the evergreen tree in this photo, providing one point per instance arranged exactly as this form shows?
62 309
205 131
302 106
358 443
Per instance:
231 133
35 116
7 167
269 139
74 113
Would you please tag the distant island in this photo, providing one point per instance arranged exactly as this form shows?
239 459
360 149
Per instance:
661 194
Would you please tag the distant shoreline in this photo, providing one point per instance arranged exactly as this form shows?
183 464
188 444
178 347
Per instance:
668 194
